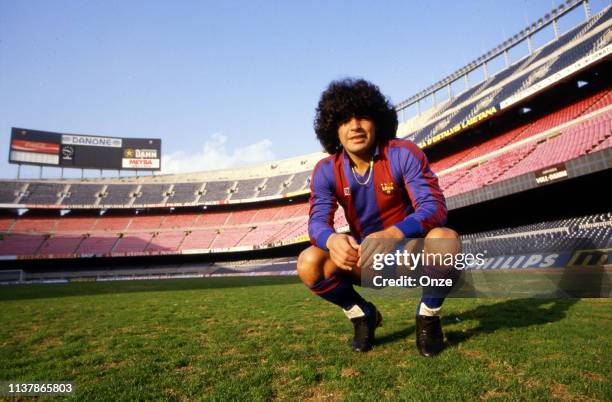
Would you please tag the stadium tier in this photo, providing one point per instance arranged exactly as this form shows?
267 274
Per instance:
80 194
205 232
570 132
66 236
585 232
110 194
510 161
589 40
527 246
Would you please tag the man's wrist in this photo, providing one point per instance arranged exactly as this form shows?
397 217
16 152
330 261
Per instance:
322 238
329 240
395 232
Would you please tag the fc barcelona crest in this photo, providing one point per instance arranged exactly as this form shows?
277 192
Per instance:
387 188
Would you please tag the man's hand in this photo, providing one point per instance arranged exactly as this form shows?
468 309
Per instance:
388 240
343 250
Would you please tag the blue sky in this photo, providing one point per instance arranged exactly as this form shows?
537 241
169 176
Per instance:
228 83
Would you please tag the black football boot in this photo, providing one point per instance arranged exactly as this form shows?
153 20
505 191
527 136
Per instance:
429 337
364 328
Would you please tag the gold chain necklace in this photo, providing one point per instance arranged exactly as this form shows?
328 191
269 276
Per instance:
369 174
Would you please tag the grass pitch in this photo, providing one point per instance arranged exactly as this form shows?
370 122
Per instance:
269 338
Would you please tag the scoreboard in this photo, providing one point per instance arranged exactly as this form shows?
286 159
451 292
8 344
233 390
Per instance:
44 148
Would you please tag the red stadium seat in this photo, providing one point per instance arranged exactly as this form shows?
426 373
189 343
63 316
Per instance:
199 239
20 244
132 243
36 225
76 224
166 241
6 224
146 222
61 244
98 244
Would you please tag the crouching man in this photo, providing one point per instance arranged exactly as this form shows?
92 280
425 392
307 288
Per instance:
387 191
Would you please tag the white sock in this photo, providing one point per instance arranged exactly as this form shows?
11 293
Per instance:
354 312
428 311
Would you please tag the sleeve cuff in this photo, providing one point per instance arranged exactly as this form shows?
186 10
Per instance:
410 227
321 239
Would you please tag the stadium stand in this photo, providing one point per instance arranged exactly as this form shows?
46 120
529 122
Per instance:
587 232
184 193
66 244
198 239
212 218
20 244
42 193
246 189
544 62
590 232
260 235
9 192
6 223
569 144
218 190
98 244
151 194
111 223
478 175
229 237
266 214
589 45
35 225
104 234
179 220
240 217
605 144
79 224
165 241
573 142
82 194
132 243
273 186
156 232
298 182
118 194
146 222
575 33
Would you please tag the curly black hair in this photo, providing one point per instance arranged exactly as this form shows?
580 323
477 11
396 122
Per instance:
350 97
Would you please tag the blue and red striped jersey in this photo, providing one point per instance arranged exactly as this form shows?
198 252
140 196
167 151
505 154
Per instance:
403 191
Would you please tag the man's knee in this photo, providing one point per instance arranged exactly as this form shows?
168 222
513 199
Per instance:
315 264
443 241
309 260
310 256
442 233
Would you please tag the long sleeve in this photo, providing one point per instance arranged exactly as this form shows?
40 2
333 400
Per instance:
323 204
425 194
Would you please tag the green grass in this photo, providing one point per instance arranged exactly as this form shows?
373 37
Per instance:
270 338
